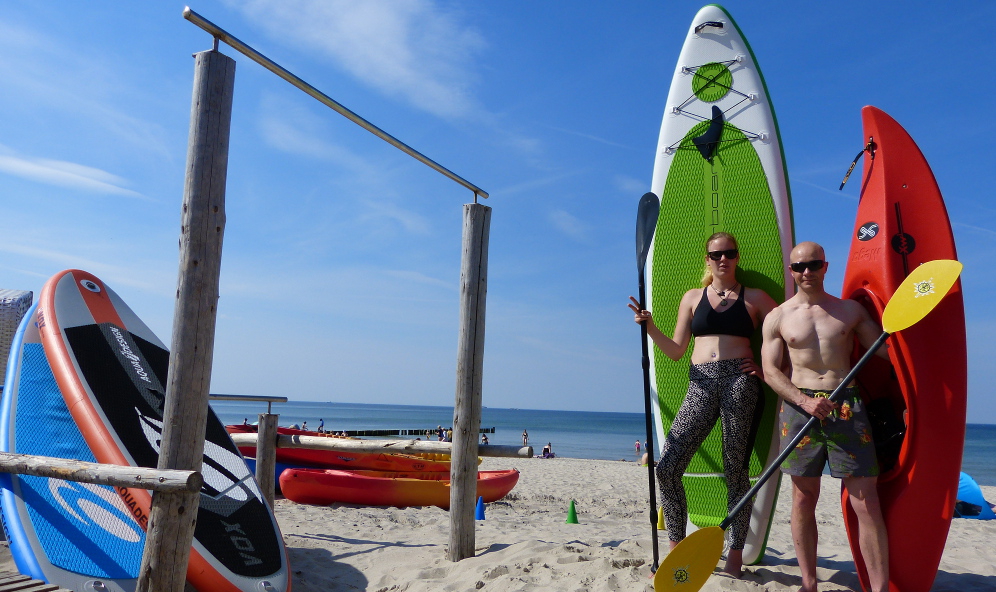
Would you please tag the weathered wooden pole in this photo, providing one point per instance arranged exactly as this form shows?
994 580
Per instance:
172 518
266 455
470 371
381 446
88 472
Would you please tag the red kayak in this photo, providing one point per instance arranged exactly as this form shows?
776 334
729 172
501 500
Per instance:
380 488
919 400
330 459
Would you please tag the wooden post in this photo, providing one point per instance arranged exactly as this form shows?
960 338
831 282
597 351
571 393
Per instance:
266 455
88 472
172 518
470 366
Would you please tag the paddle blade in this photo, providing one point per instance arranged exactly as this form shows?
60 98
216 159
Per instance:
919 293
646 222
689 565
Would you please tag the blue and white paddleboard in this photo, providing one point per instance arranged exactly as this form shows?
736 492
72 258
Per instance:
78 536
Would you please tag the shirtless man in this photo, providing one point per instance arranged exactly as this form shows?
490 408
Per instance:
816 331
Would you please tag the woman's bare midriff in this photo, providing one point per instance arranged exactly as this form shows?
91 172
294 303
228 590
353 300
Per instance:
712 348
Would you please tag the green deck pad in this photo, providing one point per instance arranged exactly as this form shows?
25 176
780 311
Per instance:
712 82
710 509
731 195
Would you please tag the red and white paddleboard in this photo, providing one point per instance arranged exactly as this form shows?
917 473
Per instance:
111 370
901 223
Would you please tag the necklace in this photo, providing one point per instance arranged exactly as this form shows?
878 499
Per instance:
722 294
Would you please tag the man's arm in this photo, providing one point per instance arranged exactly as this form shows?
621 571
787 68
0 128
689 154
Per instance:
773 358
868 331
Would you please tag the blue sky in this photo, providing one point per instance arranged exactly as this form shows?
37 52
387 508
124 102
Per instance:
341 255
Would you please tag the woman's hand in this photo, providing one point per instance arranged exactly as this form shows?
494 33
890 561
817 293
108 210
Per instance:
750 367
639 315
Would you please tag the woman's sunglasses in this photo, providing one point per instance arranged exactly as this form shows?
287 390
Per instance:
717 255
801 266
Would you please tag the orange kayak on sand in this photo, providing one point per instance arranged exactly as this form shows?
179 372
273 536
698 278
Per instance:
380 488
331 459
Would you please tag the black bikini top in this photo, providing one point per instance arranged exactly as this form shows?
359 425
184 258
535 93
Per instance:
733 321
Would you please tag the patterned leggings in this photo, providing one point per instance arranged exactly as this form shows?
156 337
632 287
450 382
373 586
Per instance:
716 390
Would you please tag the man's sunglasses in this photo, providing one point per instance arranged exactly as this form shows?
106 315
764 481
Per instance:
801 266
730 254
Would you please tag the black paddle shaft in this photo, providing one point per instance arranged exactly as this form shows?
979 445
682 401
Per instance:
775 464
648 411
646 222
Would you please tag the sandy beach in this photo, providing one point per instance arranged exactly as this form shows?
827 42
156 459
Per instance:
525 544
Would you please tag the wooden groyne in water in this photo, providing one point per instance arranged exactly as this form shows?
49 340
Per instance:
413 432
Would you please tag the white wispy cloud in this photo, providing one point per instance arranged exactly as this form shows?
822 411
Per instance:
409 220
795 181
530 185
409 48
287 136
420 278
632 186
72 79
569 224
61 173
591 137
974 228
66 258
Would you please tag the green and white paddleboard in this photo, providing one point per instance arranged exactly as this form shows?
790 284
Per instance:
719 167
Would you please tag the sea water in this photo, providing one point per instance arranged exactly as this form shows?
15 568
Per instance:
574 434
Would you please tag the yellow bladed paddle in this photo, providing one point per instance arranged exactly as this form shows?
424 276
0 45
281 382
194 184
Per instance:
687 567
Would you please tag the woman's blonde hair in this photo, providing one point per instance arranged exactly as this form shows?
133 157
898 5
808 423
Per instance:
707 276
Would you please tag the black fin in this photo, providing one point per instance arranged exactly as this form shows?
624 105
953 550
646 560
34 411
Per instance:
707 142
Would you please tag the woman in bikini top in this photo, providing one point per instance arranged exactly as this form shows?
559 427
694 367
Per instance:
721 316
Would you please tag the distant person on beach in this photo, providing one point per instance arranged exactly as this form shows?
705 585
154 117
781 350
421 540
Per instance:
449 435
724 383
548 451
321 425
245 421
484 439
525 438
304 426
440 434
638 447
806 354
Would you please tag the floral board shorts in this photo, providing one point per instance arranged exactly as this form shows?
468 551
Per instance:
844 439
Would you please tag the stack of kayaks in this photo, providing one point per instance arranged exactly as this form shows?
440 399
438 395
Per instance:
324 477
331 459
387 488
86 380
